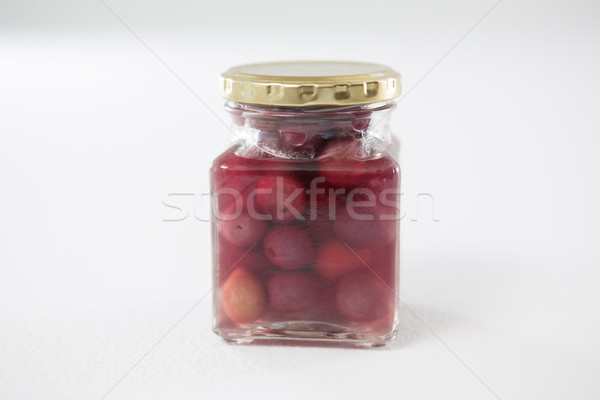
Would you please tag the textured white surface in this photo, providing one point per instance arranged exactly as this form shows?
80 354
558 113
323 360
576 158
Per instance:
95 133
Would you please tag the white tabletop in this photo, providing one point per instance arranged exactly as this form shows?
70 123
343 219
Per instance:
103 295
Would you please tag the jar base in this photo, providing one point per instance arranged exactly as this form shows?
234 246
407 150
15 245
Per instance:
306 333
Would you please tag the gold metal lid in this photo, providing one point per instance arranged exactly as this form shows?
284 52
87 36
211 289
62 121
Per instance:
310 83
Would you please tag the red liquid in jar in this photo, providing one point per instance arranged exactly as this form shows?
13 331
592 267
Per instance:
316 240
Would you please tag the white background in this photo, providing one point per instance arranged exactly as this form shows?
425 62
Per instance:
102 298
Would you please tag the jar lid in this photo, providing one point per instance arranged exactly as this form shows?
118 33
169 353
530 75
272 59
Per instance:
310 83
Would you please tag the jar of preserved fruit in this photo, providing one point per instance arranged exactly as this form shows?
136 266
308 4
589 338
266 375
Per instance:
306 205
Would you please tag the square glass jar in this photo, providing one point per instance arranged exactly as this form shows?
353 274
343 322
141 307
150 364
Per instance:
306 206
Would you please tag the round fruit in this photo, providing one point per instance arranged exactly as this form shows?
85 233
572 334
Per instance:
351 125
347 163
363 297
338 165
294 137
361 120
233 178
281 197
239 228
335 259
251 258
243 297
321 227
320 212
294 291
289 247
358 231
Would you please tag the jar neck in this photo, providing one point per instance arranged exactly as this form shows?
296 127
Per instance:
275 129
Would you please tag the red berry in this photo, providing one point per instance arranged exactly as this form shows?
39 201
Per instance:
358 231
321 211
239 228
233 178
281 197
290 143
347 163
335 259
321 227
363 297
361 120
251 258
289 247
308 137
350 124
294 137
337 164
294 291
243 297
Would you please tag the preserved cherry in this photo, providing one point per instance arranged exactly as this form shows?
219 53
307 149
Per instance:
336 258
289 247
240 228
363 297
243 297
280 197
293 291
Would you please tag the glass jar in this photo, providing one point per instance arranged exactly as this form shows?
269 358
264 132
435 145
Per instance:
306 205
